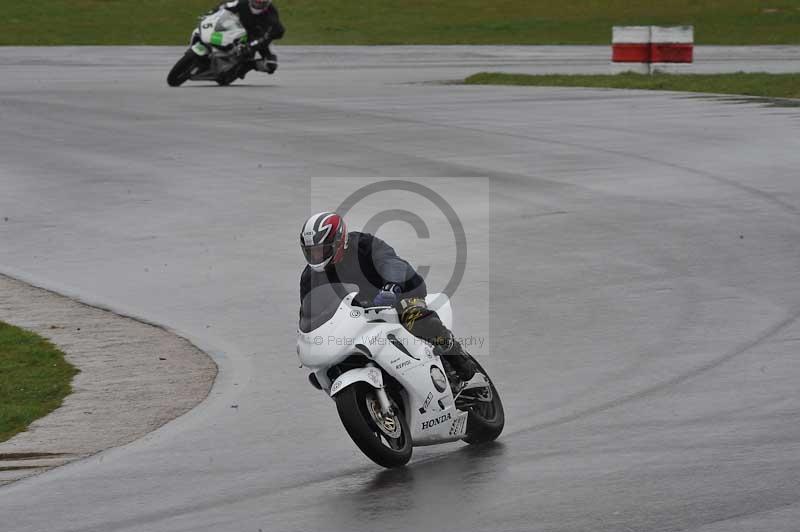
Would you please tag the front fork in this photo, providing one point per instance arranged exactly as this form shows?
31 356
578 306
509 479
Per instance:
383 398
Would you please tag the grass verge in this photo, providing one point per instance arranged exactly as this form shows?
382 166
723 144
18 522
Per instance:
756 84
411 22
34 379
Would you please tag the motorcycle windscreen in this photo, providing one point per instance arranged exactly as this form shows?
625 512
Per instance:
321 303
227 22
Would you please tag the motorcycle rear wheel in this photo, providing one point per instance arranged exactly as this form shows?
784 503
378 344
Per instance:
353 405
183 69
486 419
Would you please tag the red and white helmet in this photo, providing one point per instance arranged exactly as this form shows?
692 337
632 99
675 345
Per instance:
323 240
259 6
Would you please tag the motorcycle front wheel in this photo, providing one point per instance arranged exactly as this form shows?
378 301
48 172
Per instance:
385 440
183 69
486 417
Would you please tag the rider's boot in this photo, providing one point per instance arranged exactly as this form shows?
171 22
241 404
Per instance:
268 64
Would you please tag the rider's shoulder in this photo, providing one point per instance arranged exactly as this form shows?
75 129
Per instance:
357 238
366 242
362 241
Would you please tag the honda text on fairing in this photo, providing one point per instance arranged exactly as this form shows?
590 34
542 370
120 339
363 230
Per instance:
390 387
219 51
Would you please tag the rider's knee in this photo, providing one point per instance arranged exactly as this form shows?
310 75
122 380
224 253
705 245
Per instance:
423 322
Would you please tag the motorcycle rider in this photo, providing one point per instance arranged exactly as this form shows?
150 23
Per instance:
260 18
384 279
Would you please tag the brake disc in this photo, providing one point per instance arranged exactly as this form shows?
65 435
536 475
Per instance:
389 425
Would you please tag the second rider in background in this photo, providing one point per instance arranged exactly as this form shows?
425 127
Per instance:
260 18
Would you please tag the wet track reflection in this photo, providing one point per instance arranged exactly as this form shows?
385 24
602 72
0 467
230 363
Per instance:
643 288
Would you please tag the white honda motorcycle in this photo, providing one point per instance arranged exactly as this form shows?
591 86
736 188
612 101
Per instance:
218 50
391 389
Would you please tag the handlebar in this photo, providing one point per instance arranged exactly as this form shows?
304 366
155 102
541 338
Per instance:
368 306
249 47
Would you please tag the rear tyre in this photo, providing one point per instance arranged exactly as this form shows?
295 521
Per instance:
183 69
386 441
486 417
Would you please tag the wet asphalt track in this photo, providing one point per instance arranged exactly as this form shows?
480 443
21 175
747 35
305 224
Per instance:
645 288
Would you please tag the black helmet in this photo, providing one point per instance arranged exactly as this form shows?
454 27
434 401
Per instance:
259 6
323 240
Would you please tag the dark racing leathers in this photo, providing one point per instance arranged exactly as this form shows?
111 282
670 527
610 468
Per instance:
370 263
257 26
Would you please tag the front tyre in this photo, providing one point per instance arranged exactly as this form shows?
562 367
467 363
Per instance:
385 440
486 417
184 69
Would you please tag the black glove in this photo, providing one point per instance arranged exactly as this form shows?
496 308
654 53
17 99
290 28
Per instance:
241 50
261 42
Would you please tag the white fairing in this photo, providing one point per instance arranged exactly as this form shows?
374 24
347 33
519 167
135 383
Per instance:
222 28
378 334
200 49
371 376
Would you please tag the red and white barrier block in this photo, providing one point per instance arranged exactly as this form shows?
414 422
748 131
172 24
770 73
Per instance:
630 49
649 49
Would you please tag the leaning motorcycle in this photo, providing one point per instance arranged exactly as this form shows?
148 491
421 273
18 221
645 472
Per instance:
218 51
391 388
